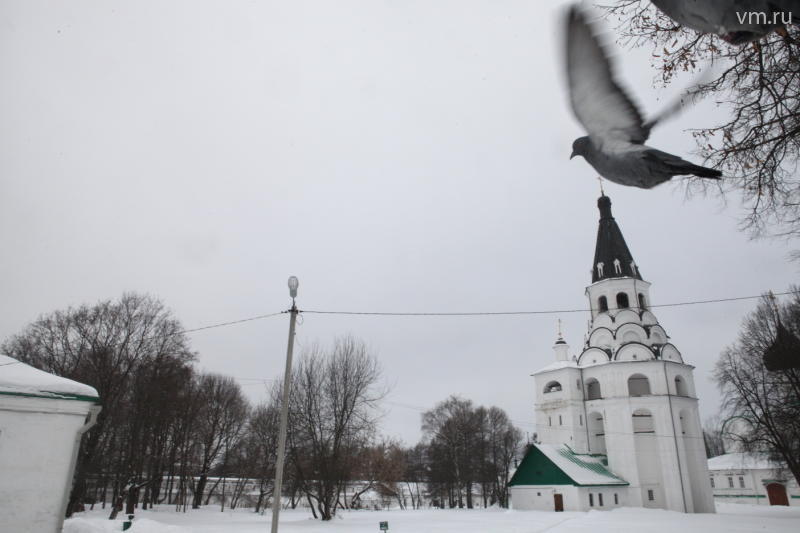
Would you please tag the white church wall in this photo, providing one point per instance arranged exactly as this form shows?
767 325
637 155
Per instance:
749 485
541 497
602 498
683 371
693 455
559 412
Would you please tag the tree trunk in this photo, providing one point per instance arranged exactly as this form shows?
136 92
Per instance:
199 490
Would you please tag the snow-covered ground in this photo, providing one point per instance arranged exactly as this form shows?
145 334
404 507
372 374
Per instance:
730 518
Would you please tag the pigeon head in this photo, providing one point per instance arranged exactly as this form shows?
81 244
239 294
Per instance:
580 146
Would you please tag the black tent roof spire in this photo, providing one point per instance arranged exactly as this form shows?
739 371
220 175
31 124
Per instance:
612 259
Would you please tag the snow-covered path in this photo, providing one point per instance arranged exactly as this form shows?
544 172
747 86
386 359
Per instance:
730 518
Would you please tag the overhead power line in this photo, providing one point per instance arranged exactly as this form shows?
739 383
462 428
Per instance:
539 312
231 323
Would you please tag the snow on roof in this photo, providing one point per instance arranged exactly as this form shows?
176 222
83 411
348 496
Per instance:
741 461
583 469
557 365
19 378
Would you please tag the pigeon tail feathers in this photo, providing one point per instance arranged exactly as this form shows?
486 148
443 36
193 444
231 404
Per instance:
676 166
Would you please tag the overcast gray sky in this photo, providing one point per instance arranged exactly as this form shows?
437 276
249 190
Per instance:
394 155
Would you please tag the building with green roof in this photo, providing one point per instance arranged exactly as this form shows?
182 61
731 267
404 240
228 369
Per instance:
554 477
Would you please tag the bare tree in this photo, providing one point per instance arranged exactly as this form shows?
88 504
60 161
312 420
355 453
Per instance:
260 448
334 400
112 346
455 430
415 473
504 442
768 402
757 146
468 445
221 419
712 436
380 465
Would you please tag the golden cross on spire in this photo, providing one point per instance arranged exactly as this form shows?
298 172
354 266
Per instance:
559 328
600 179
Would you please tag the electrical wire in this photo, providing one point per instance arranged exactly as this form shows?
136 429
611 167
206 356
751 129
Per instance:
543 312
231 323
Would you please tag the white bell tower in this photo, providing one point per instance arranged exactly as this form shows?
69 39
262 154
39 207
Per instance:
629 396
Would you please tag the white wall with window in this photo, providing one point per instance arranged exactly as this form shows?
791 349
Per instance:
751 478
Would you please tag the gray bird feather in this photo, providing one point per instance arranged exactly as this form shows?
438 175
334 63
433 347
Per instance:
736 21
615 126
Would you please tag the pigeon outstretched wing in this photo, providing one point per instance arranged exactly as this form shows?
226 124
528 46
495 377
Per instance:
598 101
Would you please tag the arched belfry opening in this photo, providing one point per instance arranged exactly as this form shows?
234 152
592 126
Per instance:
593 391
602 304
642 302
553 386
622 301
638 385
680 387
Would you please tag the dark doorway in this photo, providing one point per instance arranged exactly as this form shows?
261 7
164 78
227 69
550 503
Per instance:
558 500
777 494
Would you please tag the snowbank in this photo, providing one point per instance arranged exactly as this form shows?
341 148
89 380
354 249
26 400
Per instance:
103 525
741 518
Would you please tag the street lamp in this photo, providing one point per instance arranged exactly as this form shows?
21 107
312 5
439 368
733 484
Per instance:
287 378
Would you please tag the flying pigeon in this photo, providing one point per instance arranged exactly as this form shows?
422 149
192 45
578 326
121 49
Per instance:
617 132
735 21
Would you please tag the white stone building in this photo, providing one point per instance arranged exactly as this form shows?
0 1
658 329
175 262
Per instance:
42 418
628 400
751 478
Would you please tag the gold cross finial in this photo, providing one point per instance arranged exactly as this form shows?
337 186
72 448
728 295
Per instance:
600 179
559 328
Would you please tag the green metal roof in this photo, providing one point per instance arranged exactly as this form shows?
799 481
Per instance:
537 469
551 465
51 396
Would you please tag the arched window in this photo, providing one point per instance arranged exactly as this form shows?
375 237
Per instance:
643 421
680 387
642 302
622 301
638 385
553 386
593 389
602 304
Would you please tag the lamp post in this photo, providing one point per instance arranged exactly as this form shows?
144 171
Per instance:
287 378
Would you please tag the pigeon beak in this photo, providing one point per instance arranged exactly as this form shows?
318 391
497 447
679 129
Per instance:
573 154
